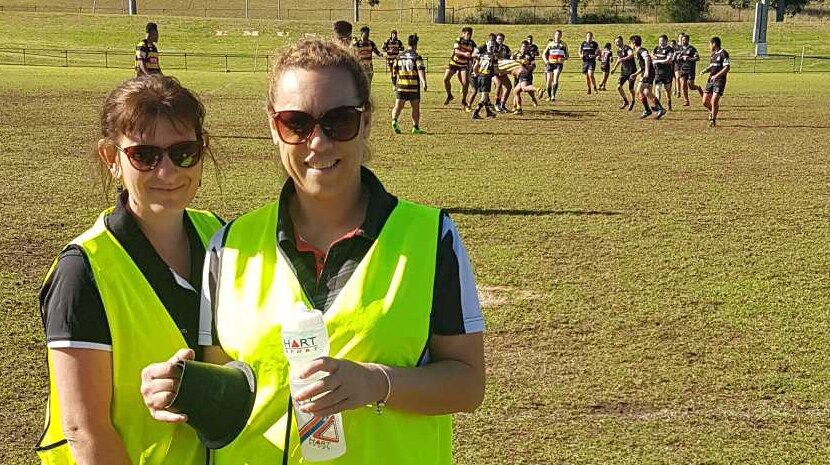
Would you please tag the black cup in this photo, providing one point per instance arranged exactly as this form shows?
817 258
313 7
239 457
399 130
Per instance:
216 399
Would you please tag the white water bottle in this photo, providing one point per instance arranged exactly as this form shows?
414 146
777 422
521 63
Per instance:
305 338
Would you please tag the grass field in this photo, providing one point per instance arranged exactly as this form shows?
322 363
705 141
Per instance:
655 292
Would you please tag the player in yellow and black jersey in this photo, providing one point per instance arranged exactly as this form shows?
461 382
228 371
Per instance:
459 64
393 47
146 53
364 48
484 68
410 73
523 75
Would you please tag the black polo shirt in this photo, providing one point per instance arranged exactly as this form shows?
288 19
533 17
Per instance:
71 307
455 305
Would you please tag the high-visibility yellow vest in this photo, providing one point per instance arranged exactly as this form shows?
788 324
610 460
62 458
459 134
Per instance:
143 332
381 315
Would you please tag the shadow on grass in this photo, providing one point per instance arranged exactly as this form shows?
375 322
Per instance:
522 212
775 126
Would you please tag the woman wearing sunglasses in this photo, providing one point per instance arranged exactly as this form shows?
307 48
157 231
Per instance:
391 276
124 293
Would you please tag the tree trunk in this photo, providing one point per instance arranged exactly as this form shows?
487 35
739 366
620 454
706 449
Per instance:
779 11
356 11
442 12
573 16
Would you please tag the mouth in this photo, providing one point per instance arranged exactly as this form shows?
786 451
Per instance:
168 188
321 165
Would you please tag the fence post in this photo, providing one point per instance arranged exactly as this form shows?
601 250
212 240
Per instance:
185 61
754 63
106 60
226 64
24 56
66 58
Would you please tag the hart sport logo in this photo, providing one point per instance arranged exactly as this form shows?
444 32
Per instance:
297 345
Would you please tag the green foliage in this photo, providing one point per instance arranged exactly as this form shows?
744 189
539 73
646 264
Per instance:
684 11
607 17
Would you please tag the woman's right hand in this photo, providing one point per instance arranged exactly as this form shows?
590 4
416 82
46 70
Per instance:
160 384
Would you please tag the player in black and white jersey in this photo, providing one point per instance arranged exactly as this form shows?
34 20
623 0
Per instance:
628 71
503 85
646 74
588 51
664 69
687 57
606 56
718 68
676 44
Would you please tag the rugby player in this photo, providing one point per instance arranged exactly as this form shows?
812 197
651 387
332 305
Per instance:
555 54
605 57
364 48
523 75
392 47
628 71
532 48
503 86
459 62
646 74
588 51
484 69
410 73
343 33
491 39
718 68
676 46
688 57
146 53
664 69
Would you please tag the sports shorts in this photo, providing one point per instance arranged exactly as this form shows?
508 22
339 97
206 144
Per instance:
625 78
688 75
588 66
456 67
525 76
663 79
551 67
408 96
484 83
716 87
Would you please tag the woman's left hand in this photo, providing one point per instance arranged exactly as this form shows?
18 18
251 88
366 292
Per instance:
348 385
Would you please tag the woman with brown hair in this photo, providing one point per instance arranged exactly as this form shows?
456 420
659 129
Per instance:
393 281
125 292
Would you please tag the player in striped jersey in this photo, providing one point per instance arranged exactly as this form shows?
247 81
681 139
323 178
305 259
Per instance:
392 47
459 64
364 48
410 73
524 76
555 54
146 53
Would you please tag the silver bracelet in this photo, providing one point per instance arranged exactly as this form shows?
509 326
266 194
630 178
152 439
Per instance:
379 405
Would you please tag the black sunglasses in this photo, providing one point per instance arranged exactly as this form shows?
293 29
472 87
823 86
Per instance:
147 157
341 124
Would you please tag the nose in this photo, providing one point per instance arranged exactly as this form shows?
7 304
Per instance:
166 167
319 141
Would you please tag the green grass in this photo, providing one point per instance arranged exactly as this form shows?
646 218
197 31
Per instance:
655 292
